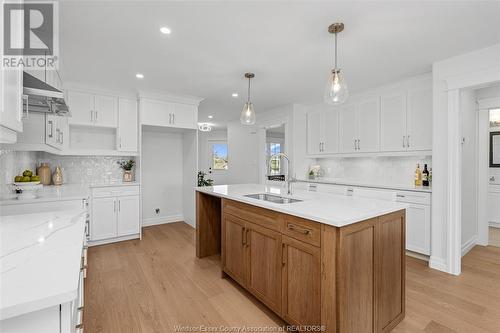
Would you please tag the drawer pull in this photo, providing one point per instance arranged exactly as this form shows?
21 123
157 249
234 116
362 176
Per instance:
400 196
243 236
80 308
293 227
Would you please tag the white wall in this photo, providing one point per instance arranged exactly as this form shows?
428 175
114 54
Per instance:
162 175
219 176
469 113
243 143
473 68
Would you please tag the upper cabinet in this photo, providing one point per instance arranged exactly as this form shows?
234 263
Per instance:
359 126
157 112
397 122
322 129
93 110
127 135
406 121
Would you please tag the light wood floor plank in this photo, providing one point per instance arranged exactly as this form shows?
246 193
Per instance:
157 283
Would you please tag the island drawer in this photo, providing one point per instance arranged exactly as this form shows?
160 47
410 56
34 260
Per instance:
302 229
261 216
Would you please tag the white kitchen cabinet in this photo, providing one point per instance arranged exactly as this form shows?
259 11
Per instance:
494 204
12 99
127 134
56 131
168 114
88 109
406 121
347 129
103 218
368 128
419 120
105 111
418 221
313 132
115 214
393 122
359 127
128 215
322 131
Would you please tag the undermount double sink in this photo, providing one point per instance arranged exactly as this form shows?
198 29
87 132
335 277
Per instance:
272 198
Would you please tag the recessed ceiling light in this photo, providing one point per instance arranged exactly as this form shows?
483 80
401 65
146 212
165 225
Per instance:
210 117
139 76
235 95
165 30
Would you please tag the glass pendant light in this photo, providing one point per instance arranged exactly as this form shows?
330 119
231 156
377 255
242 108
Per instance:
248 114
336 91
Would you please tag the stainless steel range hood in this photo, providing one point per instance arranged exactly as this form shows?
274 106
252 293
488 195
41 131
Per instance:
42 97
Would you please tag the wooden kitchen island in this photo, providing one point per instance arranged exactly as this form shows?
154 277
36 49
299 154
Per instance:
315 268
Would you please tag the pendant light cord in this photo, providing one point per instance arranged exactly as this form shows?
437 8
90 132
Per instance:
248 101
335 51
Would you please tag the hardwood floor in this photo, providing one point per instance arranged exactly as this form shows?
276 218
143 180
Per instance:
157 284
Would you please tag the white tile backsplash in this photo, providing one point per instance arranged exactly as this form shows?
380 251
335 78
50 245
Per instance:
75 169
374 170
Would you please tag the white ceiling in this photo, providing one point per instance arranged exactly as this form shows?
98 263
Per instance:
285 44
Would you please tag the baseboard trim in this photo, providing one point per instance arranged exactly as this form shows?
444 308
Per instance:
494 224
438 263
469 245
417 255
114 240
162 220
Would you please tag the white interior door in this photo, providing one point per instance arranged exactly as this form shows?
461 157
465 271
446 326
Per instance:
128 215
393 122
217 156
368 120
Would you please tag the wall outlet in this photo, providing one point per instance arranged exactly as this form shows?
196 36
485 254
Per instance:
157 211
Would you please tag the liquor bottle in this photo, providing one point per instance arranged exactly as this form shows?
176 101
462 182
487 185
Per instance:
425 176
418 176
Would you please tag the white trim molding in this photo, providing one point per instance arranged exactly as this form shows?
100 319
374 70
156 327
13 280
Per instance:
488 103
162 220
467 246
494 224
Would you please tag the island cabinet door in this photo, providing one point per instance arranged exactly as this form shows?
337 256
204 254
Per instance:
264 265
233 248
301 282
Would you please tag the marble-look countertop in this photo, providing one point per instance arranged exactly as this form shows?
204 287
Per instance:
39 260
60 193
346 182
327 208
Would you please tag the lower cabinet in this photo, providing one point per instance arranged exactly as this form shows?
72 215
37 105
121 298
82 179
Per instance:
301 282
114 214
316 276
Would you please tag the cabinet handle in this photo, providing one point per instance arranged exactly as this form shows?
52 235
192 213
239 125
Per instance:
283 254
119 205
51 133
408 141
62 137
293 227
404 143
91 116
96 112
173 118
247 243
359 147
114 206
170 118
243 236
320 146
355 147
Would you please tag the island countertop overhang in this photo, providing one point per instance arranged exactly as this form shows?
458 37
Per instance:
327 208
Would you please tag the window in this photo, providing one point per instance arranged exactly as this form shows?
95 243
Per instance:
219 156
495 118
275 163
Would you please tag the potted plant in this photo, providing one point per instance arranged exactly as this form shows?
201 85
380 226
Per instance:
202 181
127 169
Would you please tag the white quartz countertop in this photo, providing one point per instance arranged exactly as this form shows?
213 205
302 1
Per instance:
60 193
39 260
327 208
346 182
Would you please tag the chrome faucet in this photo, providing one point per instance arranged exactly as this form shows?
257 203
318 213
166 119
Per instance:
288 178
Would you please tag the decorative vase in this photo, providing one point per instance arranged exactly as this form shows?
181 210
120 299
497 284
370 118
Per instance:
128 176
57 176
44 173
